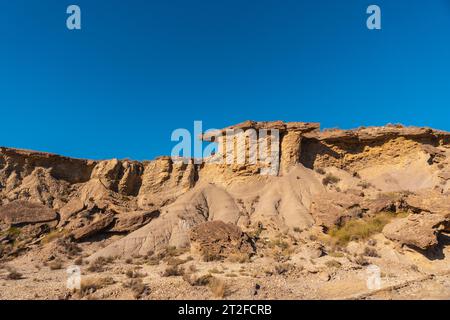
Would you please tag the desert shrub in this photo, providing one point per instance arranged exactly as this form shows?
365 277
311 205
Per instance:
360 260
370 252
364 184
153 261
330 179
320 171
282 268
239 258
171 251
134 274
54 235
198 281
283 245
173 271
217 287
333 264
173 261
415 268
99 264
13 274
336 254
90 285
138 288
68 247
209 257
360 229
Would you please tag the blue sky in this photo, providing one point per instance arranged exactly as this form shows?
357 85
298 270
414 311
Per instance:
140 69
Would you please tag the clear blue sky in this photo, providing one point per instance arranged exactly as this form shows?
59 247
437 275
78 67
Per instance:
139 69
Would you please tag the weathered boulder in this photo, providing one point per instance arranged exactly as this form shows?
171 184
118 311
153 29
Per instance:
430 201
24 212
417 230
93 228
218 240
334 209
131 221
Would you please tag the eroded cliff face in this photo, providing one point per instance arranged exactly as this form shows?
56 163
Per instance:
157 203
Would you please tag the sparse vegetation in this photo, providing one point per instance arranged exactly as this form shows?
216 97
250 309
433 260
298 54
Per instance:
239 258
370 252
364 184
198 281
360 229
217 287
360 260
92 284
330 179
414 268
173 271
333 264
173 261
336 254
320 171
13 274
99 264
54 235
138 288
133 274
282 268
209 257
171 251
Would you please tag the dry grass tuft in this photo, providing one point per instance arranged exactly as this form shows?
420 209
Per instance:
13 274
99 264
360 229
217 287
173 271
138 288
92 284
330 179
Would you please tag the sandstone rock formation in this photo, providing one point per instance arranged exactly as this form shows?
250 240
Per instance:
155 204
417 231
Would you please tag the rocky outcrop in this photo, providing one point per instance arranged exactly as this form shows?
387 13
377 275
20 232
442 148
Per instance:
430 201
217 240
23 212
416 231
334 209
93 228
